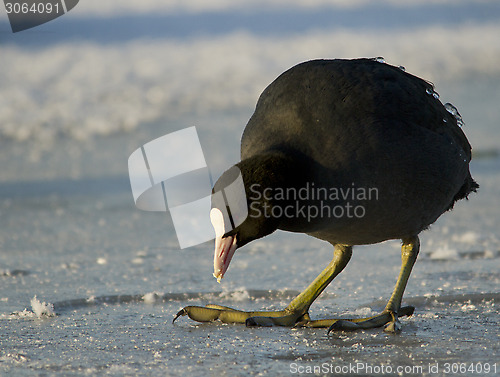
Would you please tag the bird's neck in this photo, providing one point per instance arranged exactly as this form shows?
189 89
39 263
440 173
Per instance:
274 170
276 184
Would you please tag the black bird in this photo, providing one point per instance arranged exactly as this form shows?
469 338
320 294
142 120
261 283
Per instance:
352 152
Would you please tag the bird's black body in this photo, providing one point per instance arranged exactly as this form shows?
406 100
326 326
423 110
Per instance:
365 125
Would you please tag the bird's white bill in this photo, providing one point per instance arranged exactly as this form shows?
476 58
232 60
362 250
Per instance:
224 247
223 255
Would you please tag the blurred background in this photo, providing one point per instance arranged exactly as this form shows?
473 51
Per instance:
79 94
146 68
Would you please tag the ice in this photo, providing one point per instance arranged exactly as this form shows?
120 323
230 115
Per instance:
362 313
102 260
42 309
152 297
445 252
468 307
15 357
13 273
453 111
18 314
238 295
433 93
469 237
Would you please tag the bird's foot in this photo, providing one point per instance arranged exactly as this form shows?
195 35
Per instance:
225 314
288 318
387 318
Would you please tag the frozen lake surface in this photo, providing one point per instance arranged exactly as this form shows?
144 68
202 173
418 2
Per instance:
109 278
116 277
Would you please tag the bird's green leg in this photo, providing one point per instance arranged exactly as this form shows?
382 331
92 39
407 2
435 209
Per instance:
393 309
295 313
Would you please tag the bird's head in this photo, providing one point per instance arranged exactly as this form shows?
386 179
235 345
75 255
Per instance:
240 211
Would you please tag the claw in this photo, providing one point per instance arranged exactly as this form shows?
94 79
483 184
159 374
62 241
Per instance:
393 327
180 313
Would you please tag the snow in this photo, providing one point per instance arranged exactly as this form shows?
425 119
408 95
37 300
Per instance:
165 76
